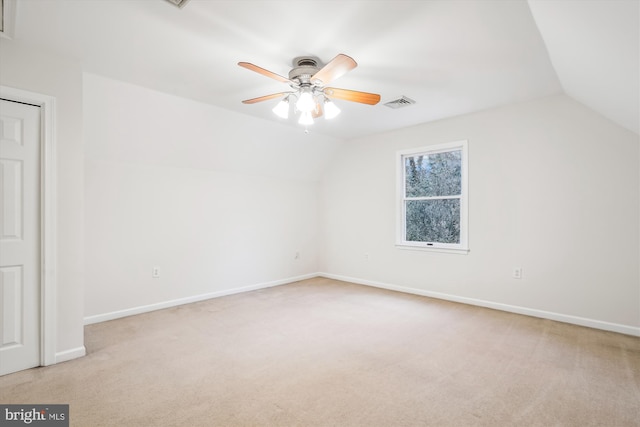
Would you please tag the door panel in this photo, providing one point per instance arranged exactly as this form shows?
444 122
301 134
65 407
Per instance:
11 176
19 236
12 305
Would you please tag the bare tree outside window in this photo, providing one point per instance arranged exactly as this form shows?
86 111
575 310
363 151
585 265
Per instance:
433 185
433 199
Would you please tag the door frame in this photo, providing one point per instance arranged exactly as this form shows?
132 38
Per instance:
48 238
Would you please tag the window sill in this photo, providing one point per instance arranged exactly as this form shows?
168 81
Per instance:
432 249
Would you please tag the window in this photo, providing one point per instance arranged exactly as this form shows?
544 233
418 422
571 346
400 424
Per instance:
432 198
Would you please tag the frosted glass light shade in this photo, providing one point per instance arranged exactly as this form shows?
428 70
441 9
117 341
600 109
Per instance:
282 109
305 118
330 110
306 103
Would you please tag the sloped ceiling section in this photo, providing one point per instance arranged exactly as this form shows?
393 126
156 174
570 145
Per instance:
594 47
451 57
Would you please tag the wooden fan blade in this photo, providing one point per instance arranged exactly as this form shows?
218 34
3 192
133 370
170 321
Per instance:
352 95
264 98
317 112
337 67
264 72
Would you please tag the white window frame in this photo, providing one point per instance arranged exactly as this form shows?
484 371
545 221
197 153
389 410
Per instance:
401 243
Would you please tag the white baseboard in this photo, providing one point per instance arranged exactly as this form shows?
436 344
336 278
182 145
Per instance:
591 323
70 354
576 320
187 300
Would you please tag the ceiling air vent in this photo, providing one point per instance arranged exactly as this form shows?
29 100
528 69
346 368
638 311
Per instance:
400 102
179 3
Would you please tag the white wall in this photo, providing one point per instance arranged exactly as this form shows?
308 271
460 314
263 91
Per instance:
35 71
553 189
217 200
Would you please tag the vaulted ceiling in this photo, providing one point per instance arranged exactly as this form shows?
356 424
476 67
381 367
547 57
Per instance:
451 56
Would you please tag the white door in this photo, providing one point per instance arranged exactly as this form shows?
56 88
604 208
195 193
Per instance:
19 236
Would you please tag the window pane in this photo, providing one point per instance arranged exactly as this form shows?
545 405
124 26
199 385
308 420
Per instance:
433 220
436 174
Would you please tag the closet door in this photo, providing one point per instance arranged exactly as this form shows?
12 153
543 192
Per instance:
19 236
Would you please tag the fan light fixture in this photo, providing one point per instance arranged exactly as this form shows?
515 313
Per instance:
308 79
305 103
331 110
309 104
305 118
282 109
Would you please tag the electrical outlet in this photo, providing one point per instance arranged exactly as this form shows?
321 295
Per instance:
366 256
517 272
155 272
297 256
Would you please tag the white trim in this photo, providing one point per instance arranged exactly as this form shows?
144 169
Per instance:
48 273
423 248
400 242
71 354
9 19
565 318
187 300
575 320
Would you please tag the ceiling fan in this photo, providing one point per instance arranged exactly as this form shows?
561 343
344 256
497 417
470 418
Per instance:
311 95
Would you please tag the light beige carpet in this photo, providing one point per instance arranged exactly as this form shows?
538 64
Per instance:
327 353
